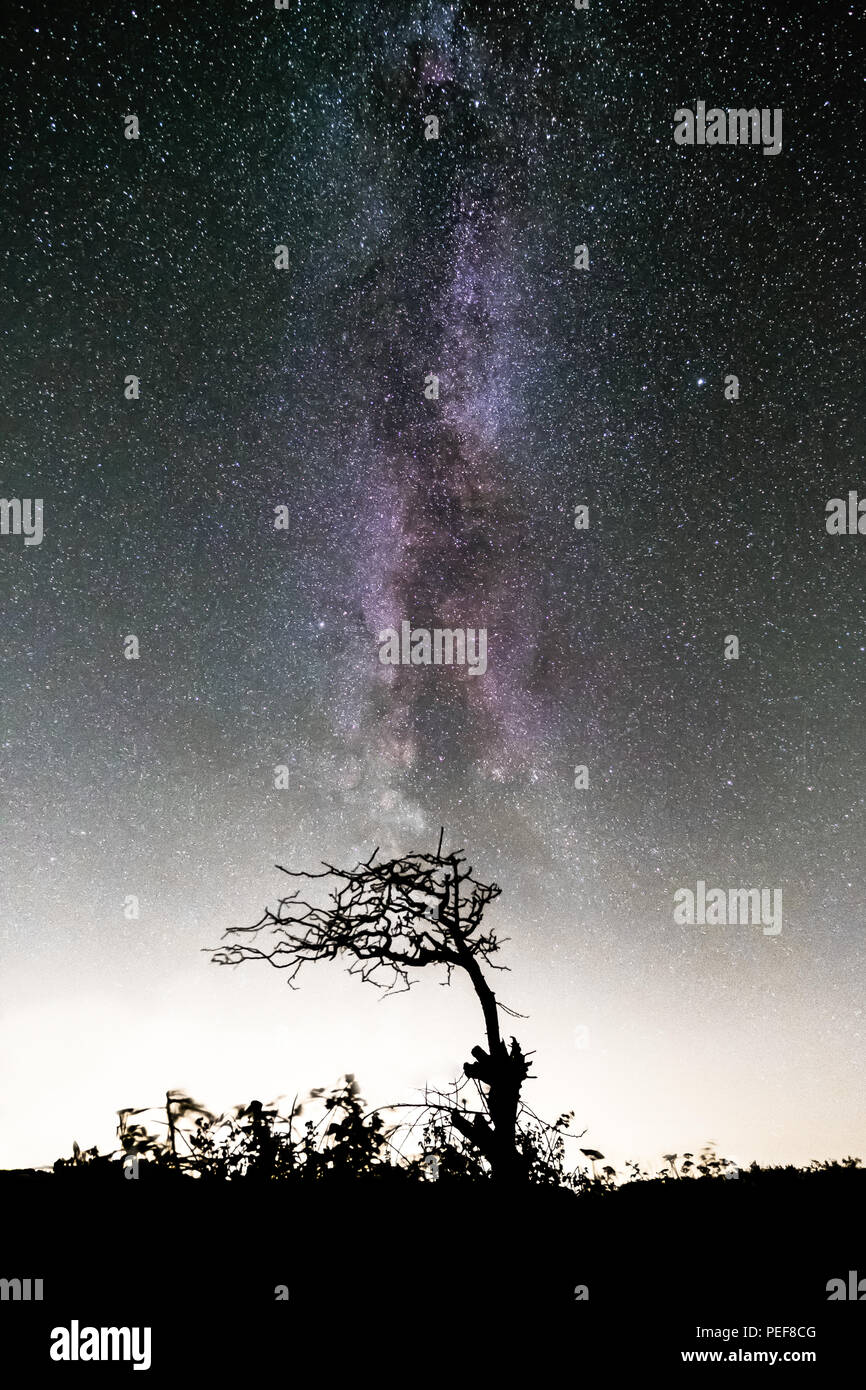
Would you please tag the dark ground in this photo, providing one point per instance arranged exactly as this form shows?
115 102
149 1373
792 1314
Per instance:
424 1283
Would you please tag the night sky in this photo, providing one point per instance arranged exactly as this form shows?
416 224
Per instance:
304 388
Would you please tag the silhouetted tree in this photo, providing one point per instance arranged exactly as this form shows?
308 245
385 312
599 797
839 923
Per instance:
389 918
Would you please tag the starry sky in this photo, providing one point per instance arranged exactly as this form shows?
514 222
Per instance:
304 388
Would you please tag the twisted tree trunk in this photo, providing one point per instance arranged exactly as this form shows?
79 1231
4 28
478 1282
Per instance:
501 1070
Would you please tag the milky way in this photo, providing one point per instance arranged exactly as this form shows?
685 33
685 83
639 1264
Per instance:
559 387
